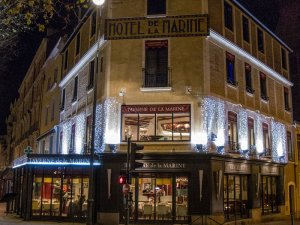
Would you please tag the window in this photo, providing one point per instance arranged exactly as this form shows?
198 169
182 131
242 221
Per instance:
46 114
230 70
77 44
260 40
246 35
266 145
72 140
228 16
52 110
156 122
289 146
51 150
93 23
66 60
75 90
236 196
156 63
286 99
263 86
55 75
298 145
63 99
156 7
269 195
88 134
232 132
248 78
251 134
283 59
91 74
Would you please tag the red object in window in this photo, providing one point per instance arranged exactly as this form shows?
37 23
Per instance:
250 122
230 56
265 126
232 116
122 179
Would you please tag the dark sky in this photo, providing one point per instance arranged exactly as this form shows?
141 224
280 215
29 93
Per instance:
264 10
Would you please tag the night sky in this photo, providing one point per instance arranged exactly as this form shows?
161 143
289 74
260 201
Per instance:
15 71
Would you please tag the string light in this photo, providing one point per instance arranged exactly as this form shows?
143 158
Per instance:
66 127
80 132
99 144
112 124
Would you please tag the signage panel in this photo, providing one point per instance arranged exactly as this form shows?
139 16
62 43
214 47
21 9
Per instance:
170 26
231 167
177 108
164 165
269 170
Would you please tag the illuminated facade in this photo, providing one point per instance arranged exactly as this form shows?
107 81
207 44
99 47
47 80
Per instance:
210 102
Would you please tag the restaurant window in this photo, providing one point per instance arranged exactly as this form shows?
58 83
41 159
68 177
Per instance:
89 120
160 197
266 140
246 36
269 195
156 7
93 23
263 86
248 78
91 74
236 196
290 146
75 90
232 132
230 70
72 139
66 60
228 16
63 99
156 122
60 192
298 145
77 44
286 99
283 59
46 115
251 134
156 64
260 40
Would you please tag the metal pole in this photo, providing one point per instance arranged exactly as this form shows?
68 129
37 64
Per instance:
91 201
127 179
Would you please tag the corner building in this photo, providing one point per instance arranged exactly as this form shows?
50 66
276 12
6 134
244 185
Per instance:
203 85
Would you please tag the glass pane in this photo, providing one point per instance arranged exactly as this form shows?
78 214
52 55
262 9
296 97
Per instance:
231 196
46 195
55 201
36 195
130 126
146 127
181 127
67 196
77 199
164 128
85 192
181 198
163 198
146 198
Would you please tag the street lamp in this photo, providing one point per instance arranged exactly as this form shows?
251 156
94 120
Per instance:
91 201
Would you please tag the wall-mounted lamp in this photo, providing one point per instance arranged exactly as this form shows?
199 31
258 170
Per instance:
122 92
188 90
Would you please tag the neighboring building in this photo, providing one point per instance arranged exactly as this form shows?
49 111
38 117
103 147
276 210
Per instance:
210 103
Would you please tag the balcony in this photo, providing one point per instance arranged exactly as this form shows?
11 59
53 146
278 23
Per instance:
232 147
159 79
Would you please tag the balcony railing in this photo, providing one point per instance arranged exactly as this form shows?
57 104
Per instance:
233 147
158 79
266 153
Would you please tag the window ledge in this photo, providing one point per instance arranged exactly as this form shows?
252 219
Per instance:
250 94
74 101
265 100
187 142
156 16
155 89
234 86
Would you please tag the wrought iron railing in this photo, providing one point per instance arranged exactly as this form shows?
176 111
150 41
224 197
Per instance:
158 79
233 147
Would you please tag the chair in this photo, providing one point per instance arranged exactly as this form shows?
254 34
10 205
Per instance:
36 207
46 208
181 211
147 210
162 211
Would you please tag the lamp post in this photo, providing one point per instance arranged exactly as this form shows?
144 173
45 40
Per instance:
91 201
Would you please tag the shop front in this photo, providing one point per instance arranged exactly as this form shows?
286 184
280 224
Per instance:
52 186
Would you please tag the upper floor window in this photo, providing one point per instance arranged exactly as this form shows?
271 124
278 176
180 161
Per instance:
156 64
66 59
266 143
156 7
228 16
91 74
260 40
289 146
52 110
298 145
230 70
75 90
156 122
72 139
93 23
46 115
63 99
232 131
286 99
283 59
55 75
251 134
248 78
88 133
263 87
77 44
246 35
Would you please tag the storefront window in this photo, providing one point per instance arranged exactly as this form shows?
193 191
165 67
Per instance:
236 196
156 122
269 194
181 198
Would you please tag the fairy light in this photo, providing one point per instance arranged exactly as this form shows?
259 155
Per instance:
243 129
80 132
258 134
278 140
99 144
112 121
66 127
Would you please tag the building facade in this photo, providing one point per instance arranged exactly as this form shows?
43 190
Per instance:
203 85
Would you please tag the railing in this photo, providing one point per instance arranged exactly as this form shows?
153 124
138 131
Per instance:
233 147
158 79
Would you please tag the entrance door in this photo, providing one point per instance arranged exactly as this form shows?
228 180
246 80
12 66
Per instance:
269 193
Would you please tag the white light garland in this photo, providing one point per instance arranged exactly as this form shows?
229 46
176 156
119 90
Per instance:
243 129
112 121
66 128
279 142
80 131
99 144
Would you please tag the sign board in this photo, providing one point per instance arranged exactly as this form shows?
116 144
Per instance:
28 150
241 168
169 26
175 108
269 170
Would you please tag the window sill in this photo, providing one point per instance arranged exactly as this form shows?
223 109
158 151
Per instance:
265 99
288 110
156 16
74 101
89 89
155 89
159 142
232 84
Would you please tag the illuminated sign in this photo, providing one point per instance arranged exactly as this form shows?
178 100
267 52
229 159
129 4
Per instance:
176 108
231 167
270 170
53 160
170 26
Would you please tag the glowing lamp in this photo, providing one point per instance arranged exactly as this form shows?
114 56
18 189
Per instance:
98 2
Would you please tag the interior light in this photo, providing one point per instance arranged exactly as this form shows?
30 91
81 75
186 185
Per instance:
98 2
